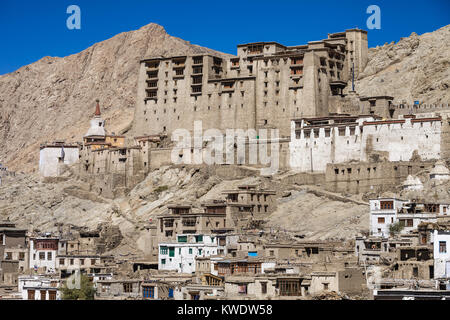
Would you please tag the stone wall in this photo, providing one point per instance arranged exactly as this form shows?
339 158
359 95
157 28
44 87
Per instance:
370 176
311 149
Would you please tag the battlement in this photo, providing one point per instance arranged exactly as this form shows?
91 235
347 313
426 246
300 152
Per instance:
424 106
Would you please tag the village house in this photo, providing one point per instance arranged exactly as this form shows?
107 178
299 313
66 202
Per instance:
43 251
13 252
184 219
181 255
194 291
118 289
39 287
385 212
226 266
93 264
441 254
347 281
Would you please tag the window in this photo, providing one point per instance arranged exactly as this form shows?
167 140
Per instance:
92 261
61 261
21 256
263 287
163 261
30 294
380 220
198 60
386 205
163 250
442 246
41 255
242 289
148 292
52 295
289 287
127 287
49 256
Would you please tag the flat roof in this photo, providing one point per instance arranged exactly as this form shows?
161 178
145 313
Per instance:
261 43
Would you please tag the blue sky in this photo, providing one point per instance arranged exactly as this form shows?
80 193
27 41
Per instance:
31 30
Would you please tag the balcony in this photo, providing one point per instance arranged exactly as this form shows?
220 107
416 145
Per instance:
197 70
152 68
152 84
197 61
296 62
152 74
189 223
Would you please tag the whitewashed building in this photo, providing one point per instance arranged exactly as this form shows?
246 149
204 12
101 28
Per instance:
386 211
441 253
316 142
43 251
53 157
180 256
383 212
39 287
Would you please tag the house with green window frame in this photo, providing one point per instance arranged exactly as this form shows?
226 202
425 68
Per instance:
180 255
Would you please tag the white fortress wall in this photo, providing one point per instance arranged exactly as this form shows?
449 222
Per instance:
339 144
401 139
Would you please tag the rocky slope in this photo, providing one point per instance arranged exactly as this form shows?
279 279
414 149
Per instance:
37 205
54 98
415 68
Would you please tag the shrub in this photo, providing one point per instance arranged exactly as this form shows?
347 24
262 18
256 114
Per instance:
161 189
395 228
86 291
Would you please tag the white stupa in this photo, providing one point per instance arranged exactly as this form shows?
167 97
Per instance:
439 171
412 183
97 129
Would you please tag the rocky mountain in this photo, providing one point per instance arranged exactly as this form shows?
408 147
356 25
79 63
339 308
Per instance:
54 98
415 68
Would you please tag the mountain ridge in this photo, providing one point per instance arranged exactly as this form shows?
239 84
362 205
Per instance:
54 97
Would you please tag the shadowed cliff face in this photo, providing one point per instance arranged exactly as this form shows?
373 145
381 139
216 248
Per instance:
54 98
415 68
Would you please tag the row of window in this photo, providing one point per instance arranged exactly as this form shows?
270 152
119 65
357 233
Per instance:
62 261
